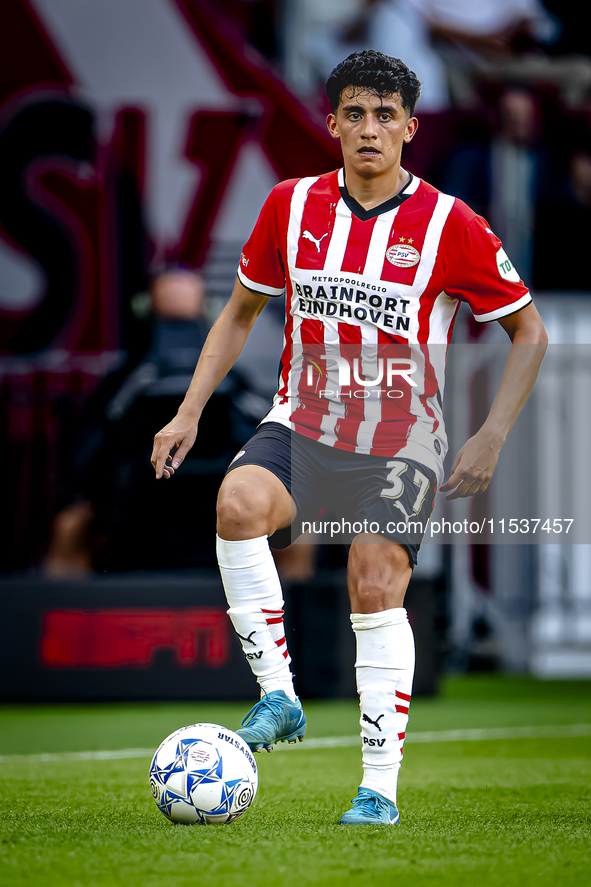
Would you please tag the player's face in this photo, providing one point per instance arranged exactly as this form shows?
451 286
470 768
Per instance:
372 130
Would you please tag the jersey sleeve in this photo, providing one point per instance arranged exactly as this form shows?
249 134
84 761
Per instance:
262 264
482 274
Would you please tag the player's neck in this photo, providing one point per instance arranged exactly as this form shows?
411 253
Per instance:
372 192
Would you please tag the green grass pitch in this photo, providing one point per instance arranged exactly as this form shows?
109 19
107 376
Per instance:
503 812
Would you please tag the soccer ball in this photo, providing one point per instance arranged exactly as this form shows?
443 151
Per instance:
203 773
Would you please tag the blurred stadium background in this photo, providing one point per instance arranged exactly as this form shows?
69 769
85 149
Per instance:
138 141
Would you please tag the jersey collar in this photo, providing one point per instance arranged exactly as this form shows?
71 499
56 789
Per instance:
364 214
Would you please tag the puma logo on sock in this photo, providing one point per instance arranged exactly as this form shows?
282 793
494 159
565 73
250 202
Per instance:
249 638
375 723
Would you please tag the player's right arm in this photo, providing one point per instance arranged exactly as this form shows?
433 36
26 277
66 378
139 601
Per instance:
221 350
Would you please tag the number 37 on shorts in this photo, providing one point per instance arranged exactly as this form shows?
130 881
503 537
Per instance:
408 486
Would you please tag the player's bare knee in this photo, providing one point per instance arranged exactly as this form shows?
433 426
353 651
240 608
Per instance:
235 514
242 513
371 597
378 577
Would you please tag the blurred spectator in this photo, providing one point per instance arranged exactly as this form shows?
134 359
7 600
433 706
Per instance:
569 207
452 45
489 28
324 32
315 39
110 493
503 41
447 42
503 176
401 28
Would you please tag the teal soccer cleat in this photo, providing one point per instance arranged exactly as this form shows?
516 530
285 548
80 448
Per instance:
274 719
370 808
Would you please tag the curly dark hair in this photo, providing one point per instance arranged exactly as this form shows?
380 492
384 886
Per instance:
379 74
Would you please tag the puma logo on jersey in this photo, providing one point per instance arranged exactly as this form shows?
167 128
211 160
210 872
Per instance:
307 236
249 638
375 723
401 508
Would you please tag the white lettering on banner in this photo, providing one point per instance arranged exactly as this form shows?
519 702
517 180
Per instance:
388 322
347 298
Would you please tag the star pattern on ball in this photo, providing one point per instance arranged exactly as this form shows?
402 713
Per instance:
182 764
229 791
163 773
168 800
199 779
205 775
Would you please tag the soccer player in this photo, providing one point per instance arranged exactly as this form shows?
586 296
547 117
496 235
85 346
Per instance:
374 263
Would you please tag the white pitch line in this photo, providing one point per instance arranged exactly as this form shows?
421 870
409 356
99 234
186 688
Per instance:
59 757
476 735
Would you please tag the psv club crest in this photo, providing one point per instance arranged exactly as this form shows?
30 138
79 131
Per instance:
403 254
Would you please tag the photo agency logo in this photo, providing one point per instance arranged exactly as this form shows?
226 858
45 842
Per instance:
374 375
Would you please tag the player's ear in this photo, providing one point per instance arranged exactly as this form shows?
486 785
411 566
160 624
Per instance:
331 122
411 128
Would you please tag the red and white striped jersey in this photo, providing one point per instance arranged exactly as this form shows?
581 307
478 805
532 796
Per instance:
379 290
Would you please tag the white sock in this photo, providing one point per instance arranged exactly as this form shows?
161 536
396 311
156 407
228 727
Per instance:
385 669
253 591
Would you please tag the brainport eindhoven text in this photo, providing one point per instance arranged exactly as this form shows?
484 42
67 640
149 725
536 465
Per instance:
416 528
366 305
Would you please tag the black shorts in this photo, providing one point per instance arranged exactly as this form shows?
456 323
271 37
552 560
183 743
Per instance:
339 494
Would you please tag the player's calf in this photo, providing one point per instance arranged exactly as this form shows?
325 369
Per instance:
253 591
384 670
252 504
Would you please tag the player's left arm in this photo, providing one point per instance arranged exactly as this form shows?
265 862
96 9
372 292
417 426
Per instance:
476 461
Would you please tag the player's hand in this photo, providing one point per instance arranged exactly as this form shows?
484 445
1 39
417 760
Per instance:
178 436
473 467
